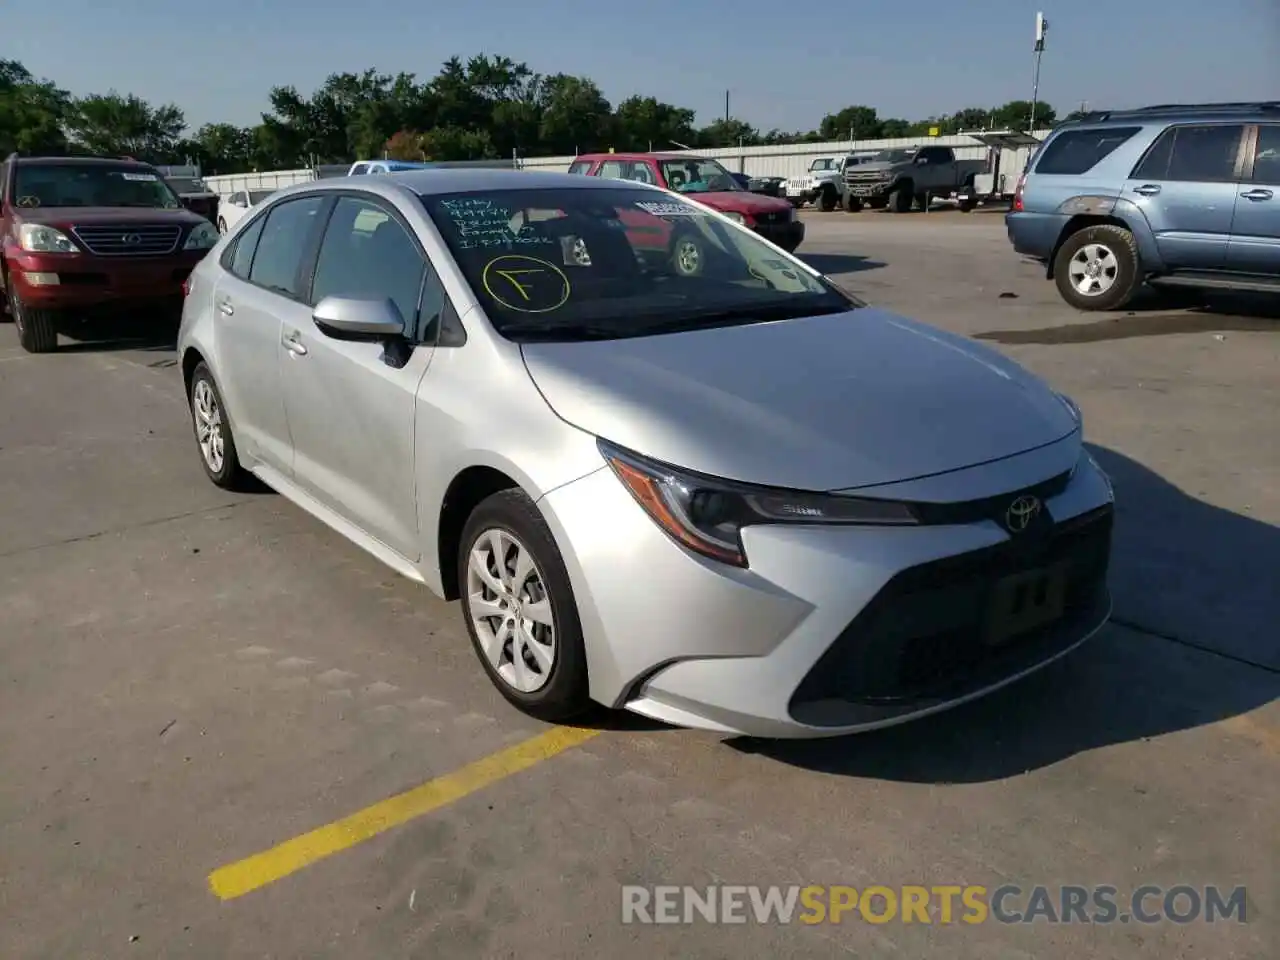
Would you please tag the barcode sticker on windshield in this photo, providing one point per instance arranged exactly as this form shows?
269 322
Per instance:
146 177
671 209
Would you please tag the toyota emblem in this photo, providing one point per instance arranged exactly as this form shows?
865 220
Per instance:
1021 513
131 239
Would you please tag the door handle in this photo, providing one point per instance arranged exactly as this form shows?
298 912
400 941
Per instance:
1257 194
225 307
293 344
1147 189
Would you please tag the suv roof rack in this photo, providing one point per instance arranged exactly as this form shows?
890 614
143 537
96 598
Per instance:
1241 106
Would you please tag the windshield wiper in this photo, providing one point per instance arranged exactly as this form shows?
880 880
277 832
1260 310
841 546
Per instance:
550 330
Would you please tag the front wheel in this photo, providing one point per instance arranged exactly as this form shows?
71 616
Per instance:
520 610
37 329
1097 268
827 201
853 204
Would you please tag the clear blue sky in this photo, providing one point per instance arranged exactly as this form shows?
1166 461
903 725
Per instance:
786 63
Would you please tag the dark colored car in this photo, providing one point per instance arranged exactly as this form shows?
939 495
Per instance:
195 196
1182 196
705 181
81 237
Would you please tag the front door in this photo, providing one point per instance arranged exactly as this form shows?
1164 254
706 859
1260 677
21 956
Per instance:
351 412
1186 187
1255 232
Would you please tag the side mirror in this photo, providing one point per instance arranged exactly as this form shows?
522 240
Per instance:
922 161
358 318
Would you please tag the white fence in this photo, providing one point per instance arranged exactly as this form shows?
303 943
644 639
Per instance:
786 160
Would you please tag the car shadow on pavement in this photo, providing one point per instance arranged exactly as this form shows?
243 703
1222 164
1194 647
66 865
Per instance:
1150 316
831 264
1193 641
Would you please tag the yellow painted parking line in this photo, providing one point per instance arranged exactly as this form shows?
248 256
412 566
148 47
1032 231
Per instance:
245 876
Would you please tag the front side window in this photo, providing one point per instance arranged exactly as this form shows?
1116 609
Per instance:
366 253
570 264
697 176
283 242
91 185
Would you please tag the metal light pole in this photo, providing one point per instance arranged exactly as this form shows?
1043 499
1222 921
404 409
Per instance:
1042 27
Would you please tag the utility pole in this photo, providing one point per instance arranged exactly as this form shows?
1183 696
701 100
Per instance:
726 106
1042 27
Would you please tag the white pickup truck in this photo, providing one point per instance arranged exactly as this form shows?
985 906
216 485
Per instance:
899 177
824 183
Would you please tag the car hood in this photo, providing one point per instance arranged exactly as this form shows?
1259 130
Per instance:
879 166
91 215
822 403
739 201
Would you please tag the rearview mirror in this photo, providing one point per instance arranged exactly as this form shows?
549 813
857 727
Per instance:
358 318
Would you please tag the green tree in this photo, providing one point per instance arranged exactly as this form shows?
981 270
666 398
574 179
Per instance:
856 122
576 117
32 112
113 124
728 133
645 122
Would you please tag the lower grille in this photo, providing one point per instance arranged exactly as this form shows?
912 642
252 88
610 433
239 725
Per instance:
923 634
782 216
128 239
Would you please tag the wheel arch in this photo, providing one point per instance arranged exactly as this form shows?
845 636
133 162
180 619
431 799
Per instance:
467 490
1124 215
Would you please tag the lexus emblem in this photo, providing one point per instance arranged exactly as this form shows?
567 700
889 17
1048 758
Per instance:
1021 513
131 239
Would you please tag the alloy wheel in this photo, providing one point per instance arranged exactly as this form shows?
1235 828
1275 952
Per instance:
208 419
510 610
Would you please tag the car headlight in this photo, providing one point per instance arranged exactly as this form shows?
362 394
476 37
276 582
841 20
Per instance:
736 217
202 237
707 515
37 238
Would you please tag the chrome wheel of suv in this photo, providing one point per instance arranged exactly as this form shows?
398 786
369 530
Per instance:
1097 268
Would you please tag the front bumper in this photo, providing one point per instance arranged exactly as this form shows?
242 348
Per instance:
865 190
788 235
832 630
85 282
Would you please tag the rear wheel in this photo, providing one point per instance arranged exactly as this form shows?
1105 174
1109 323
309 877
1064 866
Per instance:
1097 268
37 329
520 610
217 446
853 204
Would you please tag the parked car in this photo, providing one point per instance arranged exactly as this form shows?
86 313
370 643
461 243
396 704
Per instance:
83 237
740 500
362 167
706 181
1184 196
767 186
899 178
237 205
195 196
823 185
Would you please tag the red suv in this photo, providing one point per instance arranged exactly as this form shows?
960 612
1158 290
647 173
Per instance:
83 236
705 181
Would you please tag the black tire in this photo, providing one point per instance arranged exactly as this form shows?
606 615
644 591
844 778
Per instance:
967 205
564 692
853 204
222 225
922 201
688 255
827 200
37 329
227 473
1123 272
795 202
900 199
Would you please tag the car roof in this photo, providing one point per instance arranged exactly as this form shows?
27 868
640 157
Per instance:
446 180
638 155
1245 112
85 161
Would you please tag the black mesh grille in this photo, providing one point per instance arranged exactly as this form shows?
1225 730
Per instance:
923 634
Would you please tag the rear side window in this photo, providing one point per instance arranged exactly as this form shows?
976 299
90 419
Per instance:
580 166
284 241
1079 151
1204 153
242 256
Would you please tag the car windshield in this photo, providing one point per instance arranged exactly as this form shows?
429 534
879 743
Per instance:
893 156
580 264
824 164
697 176
91 185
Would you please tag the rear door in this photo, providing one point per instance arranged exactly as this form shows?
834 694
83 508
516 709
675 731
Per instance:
1186 187
1255 231
259 289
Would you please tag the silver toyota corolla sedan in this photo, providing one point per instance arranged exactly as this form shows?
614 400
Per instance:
664 465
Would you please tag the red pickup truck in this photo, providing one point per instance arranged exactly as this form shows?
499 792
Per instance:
81 236
705 181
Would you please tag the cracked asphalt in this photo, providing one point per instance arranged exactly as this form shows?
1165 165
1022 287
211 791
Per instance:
188 677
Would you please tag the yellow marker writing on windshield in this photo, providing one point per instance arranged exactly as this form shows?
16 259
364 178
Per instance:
511 278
